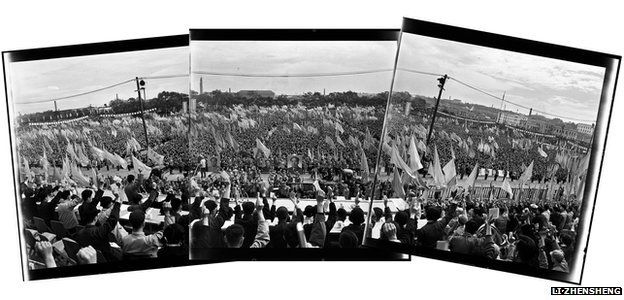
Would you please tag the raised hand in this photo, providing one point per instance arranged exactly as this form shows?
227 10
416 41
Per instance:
87 255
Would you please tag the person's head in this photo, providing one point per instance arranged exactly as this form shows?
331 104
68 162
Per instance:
526 250
348 239
135 198
471 227
309 211
388 231
248 208
233 236
282 214
401 218
106 202
211 205
174 234
357 216
130 178
433 212
557 256
214 161
89 214
137 220
176 204
86 195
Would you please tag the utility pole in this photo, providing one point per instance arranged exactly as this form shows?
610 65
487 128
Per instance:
442 81
140 84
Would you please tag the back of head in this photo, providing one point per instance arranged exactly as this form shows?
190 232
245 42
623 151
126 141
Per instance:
174 234
137 219
233 236
86 194
88 213
471 227
401 218
211 205
106 201
176 203
527 250
248 208
357 216
342 214
130 178
433 212
282 213
309 211
348 239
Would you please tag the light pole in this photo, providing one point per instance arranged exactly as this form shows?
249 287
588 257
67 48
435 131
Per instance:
140 86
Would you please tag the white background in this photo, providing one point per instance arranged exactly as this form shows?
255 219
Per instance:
593 25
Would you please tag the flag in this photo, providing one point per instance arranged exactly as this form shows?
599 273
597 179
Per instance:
397 185
541 152
526 175
414 158
507 187
452 153
120 161
26 167
140 167
310 154
473 176
260 146
436 171
449 172
396 159
330 142
45 164
78 177
339 128
339 140
156 158
364 166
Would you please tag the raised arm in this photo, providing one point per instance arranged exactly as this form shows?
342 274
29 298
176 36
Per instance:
262 236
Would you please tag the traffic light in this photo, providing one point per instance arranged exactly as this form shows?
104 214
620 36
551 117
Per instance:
142 82
441 81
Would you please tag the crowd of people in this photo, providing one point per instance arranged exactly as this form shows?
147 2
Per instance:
261 223
541 235
67 225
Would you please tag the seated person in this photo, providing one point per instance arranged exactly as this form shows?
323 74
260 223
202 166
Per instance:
137 244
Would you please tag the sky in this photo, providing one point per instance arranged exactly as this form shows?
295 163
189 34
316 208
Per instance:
563 88
33 81
293 58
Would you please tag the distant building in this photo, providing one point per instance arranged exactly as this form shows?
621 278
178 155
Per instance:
535 124
567 131
256 93
585 128
513 119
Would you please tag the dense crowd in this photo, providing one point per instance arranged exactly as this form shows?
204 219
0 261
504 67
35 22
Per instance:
541 235
65 225
263 224
510 150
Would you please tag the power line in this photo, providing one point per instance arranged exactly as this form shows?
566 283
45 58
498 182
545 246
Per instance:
77 95
165 76
300 75
516 104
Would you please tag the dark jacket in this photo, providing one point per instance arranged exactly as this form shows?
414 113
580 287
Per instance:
97 236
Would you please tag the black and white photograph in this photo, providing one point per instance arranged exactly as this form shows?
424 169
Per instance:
100 153
295 117
487 152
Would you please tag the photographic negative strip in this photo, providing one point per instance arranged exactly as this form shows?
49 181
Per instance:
295 117
100 151
491 150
